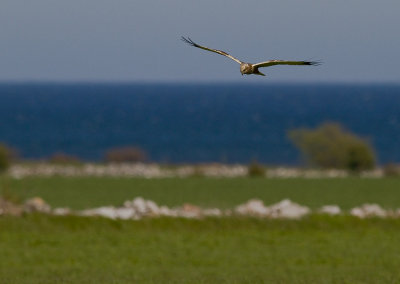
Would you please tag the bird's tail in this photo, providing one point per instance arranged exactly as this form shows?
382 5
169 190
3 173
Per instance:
259 73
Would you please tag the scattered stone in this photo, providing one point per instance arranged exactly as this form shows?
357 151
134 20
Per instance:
111 212
330 210
288 209
139 208
36 204
165 211
253 207
143 207
62 211
283 209
212 212
19 171
368 210
305 173
190 211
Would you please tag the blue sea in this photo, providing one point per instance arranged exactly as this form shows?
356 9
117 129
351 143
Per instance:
188 123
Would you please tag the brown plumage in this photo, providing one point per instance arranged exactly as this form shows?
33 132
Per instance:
250 68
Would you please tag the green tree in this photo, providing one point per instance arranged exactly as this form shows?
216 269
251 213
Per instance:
330 146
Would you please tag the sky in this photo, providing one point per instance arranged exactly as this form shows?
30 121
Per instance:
139 41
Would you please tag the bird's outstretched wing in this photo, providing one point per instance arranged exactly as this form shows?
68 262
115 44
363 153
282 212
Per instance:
192 43
285 62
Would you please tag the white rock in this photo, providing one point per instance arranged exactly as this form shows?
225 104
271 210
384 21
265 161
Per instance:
152 207
288 209
330 209
125 213
108 212
111 212
189 211
165 211
143 207
368 210
36 204
253 207
212 212
61 211
139 204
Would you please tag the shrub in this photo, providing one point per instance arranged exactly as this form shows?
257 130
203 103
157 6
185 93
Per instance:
6 155
63 158
391 170
129 154
198 171
329 146
255 170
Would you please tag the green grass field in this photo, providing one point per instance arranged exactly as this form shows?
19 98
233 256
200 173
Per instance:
315 249
80 193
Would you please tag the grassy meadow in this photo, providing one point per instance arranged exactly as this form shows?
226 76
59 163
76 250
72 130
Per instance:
88 192
315 249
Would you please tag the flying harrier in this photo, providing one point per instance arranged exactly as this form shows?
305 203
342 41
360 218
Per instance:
249 68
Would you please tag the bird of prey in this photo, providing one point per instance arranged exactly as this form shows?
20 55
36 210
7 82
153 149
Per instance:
250 68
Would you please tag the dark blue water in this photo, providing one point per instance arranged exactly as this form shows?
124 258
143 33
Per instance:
192 123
